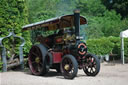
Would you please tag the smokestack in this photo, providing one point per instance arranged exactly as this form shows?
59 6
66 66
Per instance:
77 22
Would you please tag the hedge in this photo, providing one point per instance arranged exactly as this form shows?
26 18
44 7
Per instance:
107 45
126 47
100 46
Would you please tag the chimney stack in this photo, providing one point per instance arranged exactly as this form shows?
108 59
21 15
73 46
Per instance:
77 22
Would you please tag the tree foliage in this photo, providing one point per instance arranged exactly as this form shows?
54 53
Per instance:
91 7
120 6
101 21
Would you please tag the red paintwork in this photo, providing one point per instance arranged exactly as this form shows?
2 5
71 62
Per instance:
46 40
57 57
59 40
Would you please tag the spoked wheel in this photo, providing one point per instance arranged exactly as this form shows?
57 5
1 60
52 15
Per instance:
92 65
69 67
36 64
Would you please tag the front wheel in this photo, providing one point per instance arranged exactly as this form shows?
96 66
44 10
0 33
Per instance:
69 67
92 65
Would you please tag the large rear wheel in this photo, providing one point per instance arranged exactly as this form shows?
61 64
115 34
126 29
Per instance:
69 67
92 65
35 60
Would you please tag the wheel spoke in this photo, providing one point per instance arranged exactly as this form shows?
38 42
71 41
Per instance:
69 61
34 54
72 70
66 61
91 69
33 62
94 69
94 63
37 51
38 68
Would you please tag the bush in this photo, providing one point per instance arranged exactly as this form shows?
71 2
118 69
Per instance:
126 48
108 45
117 46
100 46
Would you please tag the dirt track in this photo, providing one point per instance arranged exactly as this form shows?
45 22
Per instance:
109 75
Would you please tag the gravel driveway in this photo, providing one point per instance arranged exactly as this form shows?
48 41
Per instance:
109 75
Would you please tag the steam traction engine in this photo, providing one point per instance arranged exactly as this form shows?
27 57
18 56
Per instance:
63 50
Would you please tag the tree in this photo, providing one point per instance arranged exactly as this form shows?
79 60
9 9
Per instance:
91 7
93 10
121 6
41 9
94 29
65 7
112 24
101 21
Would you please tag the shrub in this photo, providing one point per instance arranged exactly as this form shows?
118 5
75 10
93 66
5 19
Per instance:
116 41
126 48
107 45
117 46
100 46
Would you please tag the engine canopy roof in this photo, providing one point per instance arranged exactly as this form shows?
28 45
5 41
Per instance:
55 23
